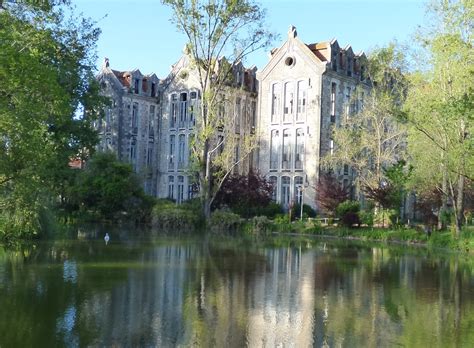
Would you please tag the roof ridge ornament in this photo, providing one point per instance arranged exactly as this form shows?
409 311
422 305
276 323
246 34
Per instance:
292 32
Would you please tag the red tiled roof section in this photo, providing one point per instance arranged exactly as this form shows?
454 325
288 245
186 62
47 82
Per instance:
123 77
320 50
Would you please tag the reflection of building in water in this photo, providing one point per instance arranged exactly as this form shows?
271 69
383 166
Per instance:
283 301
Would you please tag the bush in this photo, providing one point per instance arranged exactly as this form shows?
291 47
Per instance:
308 212
224 221
348 213
367 217
386 217
282 223
167 215
259 225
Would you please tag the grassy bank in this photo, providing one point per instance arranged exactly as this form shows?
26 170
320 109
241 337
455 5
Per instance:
438 239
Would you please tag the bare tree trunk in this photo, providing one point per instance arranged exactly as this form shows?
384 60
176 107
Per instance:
206 181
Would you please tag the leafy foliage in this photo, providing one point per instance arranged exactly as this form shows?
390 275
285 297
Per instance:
348 213
330 193
108 187
247 195
46 75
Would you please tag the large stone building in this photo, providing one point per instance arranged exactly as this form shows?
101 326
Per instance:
129 127
304 91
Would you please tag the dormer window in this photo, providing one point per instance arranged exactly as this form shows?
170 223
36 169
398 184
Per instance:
153 89
136 86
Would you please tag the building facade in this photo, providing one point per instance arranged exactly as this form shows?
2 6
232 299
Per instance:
304 91
129 128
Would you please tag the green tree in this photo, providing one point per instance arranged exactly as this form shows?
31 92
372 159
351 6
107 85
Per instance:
373 139
214 29
46 76
107 187
440 105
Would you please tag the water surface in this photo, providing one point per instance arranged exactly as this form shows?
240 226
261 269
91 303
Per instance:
181 291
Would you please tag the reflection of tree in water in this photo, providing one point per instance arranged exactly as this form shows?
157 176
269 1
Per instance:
387 299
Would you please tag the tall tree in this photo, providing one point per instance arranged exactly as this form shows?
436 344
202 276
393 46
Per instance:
217 28
373 139
46 75
440 104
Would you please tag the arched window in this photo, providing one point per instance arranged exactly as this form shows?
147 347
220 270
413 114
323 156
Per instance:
173 110
273 180
301 104
298 189
183 109
274 149
276 92
289 102
181 151
171 187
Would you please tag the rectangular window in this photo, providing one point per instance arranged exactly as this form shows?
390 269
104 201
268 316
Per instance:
135 118
136 86
183 109
289 102
151 121
286 154
181 151
274 182
331 146
153 89
301 104
149 156
237 114
299 147
253 115
171 152
274 149
285 191
349 66
333 102
192 110
276 93
348 101
173 110
298 189
180 197
171 187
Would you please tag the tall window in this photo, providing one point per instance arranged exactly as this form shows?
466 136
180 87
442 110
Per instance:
149 155
171 152
133 150
289 102
171 187
286 155
276 95
274 149
274 182
173 110
333 102
349 66
183 109
192 188
135 118
180 196
301 105
348 101
193 109
299 149
153 89
181 151
237 114
285 191
136 86
253 111
331 146
298 189
151 121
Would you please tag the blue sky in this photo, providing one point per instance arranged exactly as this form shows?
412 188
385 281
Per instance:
138 34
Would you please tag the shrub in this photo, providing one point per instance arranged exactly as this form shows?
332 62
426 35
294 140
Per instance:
367 217
167 215
259 225
348 212
386 217
282 223
307 211
224 221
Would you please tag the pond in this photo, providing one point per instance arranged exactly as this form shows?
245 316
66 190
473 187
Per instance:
143 290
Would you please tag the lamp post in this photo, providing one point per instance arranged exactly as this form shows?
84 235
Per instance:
300 190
